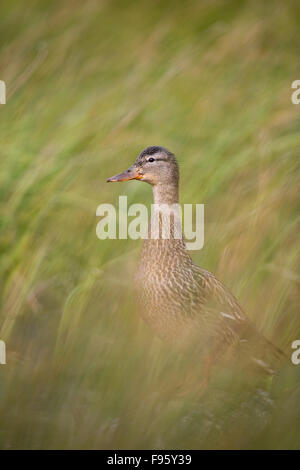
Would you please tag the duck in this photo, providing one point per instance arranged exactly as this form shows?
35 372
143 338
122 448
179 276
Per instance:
182 302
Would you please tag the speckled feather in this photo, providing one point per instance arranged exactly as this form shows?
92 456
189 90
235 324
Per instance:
187 304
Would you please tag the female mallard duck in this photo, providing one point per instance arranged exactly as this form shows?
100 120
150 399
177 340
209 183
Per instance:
179 299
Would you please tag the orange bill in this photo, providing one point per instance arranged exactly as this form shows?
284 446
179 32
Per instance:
130 174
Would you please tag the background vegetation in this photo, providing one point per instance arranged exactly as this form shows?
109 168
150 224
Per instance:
90 84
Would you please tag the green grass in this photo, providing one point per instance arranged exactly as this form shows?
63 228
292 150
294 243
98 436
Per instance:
90 84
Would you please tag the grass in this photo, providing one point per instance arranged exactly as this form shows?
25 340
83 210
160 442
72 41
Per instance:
89 85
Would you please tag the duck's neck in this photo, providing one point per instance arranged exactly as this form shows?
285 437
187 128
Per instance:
160 254
165 193
165 221
165 224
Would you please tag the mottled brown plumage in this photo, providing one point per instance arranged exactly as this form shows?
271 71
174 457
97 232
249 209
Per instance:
179 300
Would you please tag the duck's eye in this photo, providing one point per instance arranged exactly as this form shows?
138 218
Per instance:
151 160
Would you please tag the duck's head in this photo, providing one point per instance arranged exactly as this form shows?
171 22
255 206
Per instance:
155 165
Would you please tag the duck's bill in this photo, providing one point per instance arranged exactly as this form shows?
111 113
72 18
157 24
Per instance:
130 174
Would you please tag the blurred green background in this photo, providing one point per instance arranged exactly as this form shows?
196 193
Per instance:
89 85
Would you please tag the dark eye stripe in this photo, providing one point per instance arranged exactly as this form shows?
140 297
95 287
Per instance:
156 159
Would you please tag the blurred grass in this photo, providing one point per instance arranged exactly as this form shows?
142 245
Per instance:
90 84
